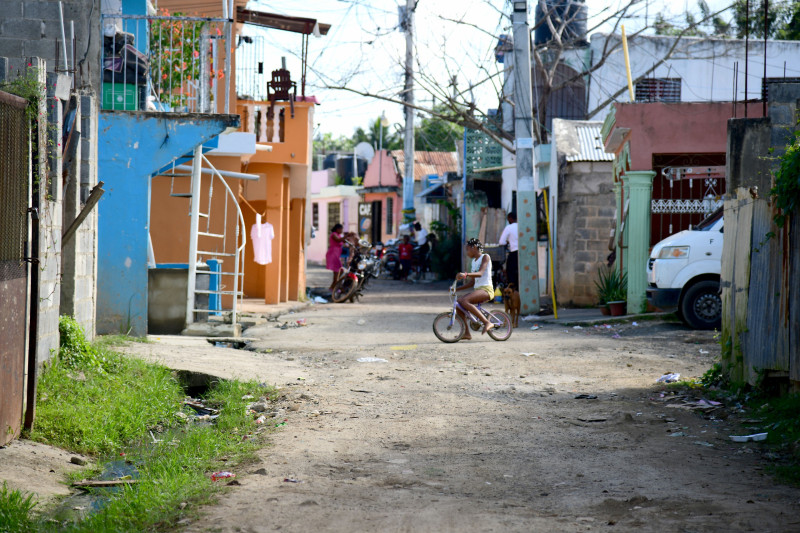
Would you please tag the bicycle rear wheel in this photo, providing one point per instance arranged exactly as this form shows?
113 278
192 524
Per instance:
447 332
502 325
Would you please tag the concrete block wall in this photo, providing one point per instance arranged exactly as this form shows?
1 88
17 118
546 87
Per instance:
78 290
585 218
31 28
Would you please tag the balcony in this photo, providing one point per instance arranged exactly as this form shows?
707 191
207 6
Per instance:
165 63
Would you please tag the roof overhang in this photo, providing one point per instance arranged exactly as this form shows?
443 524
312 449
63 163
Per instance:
281 22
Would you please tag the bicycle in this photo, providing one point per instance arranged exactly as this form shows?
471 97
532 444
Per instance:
450 327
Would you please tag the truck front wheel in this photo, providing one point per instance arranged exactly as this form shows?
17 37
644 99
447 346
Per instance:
701 305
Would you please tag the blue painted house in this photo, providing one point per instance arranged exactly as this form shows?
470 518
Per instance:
163 115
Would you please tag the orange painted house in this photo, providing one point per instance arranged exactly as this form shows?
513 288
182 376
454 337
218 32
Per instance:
266 170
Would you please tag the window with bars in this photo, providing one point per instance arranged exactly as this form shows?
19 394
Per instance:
315 215
389 215
334 215
659 90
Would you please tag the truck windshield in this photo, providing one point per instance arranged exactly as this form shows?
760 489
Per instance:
709 221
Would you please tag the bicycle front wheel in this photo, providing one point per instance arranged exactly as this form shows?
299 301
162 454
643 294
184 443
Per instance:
447 331
502 325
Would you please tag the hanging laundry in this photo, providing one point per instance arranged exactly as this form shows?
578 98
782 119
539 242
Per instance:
262 235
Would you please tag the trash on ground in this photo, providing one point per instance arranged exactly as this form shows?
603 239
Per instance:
678 434
320 300
615 336
704 352
670 377
371 360
634 323
576 327
216 476
585 397
361 322
199 408
534 327
592 419
528 354
403 347
291 480
704 443
302 322
755 437
530 318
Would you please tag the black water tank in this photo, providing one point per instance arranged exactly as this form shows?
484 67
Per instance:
329 161
574 12
344 168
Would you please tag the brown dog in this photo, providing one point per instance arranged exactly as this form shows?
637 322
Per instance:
511 301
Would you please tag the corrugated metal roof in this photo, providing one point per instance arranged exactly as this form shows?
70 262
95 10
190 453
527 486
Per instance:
427 163
590 144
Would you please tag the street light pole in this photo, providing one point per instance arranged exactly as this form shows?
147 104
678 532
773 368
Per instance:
408 97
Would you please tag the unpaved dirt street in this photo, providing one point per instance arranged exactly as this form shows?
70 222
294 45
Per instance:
474 436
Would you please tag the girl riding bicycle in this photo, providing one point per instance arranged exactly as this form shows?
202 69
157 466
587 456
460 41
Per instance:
480 277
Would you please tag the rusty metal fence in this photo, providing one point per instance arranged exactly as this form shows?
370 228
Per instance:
14 193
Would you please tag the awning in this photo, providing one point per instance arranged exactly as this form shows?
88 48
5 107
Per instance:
281 22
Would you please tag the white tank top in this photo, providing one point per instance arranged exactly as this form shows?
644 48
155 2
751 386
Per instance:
486 277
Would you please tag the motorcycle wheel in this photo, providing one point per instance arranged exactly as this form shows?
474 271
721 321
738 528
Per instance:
343 289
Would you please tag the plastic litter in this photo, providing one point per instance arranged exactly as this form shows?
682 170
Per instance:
528 354
678 434
291 480
320 300
535 327
302 322
634 324
403 347
371 360
585 397
216 476
530 318
576 327
755 437
704 352
670 377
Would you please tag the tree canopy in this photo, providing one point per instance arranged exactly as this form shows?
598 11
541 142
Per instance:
783 21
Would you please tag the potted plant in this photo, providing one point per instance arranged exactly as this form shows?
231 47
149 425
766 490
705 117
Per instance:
605 284
617 298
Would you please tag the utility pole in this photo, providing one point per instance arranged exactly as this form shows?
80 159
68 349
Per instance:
407 24
525 167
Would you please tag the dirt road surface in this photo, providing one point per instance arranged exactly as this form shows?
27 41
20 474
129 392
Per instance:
475 436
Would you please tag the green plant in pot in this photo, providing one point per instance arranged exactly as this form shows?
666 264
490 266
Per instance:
612 288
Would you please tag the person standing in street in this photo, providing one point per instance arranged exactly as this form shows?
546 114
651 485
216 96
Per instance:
405 252
510 238
333 259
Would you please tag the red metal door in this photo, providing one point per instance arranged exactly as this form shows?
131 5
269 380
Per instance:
686 189
13 269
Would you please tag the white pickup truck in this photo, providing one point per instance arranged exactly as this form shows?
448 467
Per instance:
683 273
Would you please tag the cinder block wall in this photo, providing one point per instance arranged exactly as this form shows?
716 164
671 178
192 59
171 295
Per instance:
585 217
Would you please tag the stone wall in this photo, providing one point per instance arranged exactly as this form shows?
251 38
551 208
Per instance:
585 217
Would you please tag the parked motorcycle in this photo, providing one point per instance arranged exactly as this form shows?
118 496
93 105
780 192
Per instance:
361 268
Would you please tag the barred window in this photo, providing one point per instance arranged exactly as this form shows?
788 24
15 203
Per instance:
389 215
315 215
334 215
659 90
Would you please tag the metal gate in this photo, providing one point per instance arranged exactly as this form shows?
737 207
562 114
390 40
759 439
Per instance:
14 165
686 189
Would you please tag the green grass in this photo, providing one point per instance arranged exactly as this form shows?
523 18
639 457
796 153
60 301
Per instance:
98 402
15 511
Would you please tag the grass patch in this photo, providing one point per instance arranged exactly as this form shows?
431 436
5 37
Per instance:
16 511
95 401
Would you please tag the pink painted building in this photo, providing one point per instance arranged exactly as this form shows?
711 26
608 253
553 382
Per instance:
684 143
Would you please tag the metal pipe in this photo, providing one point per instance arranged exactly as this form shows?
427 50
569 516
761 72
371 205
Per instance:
746 50
63 35
766 27
627 63
197 163
225 173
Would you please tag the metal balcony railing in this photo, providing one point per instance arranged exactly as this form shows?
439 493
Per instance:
166 63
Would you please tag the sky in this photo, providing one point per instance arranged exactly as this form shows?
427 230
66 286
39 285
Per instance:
365 50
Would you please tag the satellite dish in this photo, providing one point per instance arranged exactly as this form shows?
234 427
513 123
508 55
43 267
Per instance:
364 150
